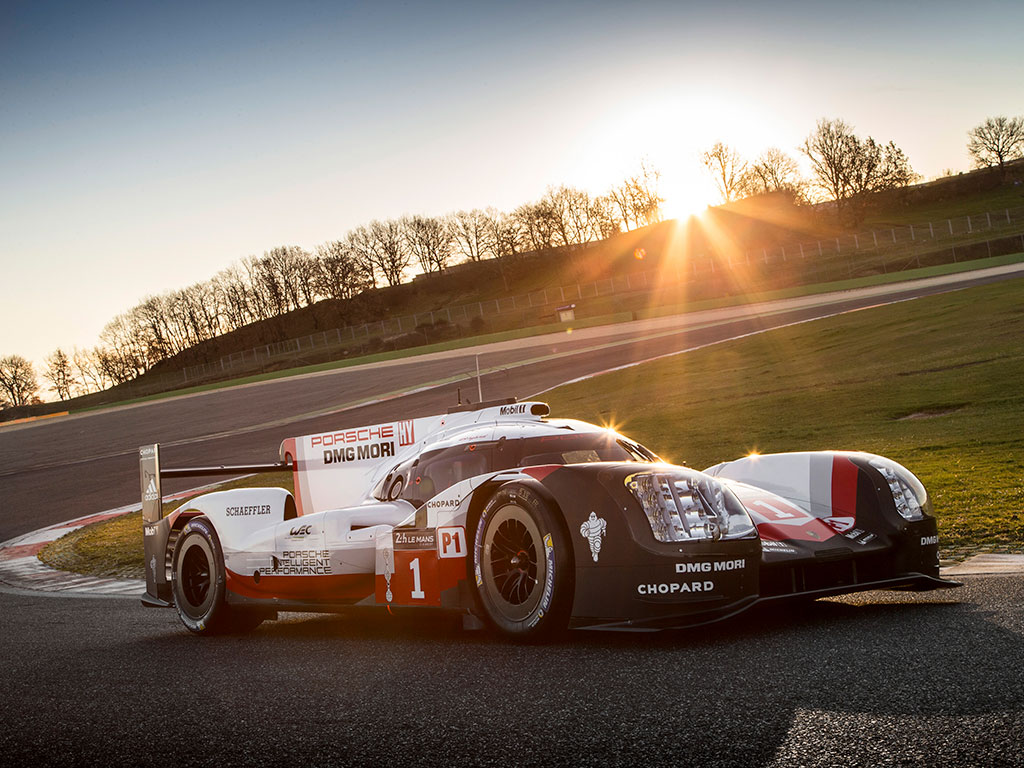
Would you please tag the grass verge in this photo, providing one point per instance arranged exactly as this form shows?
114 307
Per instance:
113 548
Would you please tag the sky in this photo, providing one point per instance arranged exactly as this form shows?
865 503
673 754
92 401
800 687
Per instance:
144 146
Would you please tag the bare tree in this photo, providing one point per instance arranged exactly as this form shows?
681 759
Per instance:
504 233
604 219
340 274
773 171
537 222
621 197
875 167
472 238
727 168
827 148
123 354
570 210
391 255
18 384
362 246
235 293
996 141
90 377
638 199
430 240
59 373
847 167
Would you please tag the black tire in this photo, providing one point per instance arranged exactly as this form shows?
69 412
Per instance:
522 564
198 584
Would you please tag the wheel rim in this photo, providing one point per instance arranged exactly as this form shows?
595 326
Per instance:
195 576
514 564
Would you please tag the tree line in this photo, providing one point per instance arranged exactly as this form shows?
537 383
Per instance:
383 252
847 169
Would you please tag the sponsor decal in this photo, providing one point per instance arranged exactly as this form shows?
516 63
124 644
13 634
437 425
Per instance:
451 542
363 435
415 539
675 588
549 579
152 564
359 453
146 452
839 524
406 432
389 571
151 492
777 546
444 503
929 541
302 530
301 562
150 530
253 509
593 529
709 566
513 410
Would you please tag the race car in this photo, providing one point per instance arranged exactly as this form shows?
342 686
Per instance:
530 525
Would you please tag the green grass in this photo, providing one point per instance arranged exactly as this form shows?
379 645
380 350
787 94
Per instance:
839 285
992 201
954 363
113 548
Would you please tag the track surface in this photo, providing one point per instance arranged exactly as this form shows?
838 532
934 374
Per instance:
873 679
877 679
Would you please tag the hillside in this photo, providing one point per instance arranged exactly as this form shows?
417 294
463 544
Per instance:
758 244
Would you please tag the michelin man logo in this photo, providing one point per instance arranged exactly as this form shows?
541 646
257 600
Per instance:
389 570
593 529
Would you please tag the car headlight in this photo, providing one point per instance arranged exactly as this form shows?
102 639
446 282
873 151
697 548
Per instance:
683 506
908 493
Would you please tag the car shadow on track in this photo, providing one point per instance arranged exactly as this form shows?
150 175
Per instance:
767 678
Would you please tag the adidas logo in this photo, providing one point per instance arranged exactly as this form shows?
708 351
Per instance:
151 493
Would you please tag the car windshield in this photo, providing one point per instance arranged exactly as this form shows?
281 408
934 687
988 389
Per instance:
574 448
422 478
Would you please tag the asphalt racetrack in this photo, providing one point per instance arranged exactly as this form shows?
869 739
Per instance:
874 679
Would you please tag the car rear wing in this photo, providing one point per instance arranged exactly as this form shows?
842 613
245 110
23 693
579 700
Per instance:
155 540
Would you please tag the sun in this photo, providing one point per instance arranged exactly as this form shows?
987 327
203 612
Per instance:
683 197
666 127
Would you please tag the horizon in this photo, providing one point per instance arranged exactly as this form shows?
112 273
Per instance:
147 148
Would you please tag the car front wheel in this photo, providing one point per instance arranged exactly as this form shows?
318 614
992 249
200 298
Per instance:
522 564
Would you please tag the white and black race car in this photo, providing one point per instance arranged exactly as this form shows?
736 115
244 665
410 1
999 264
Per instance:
531 524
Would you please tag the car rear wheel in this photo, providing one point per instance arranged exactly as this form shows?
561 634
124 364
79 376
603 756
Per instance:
198 583
522 564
